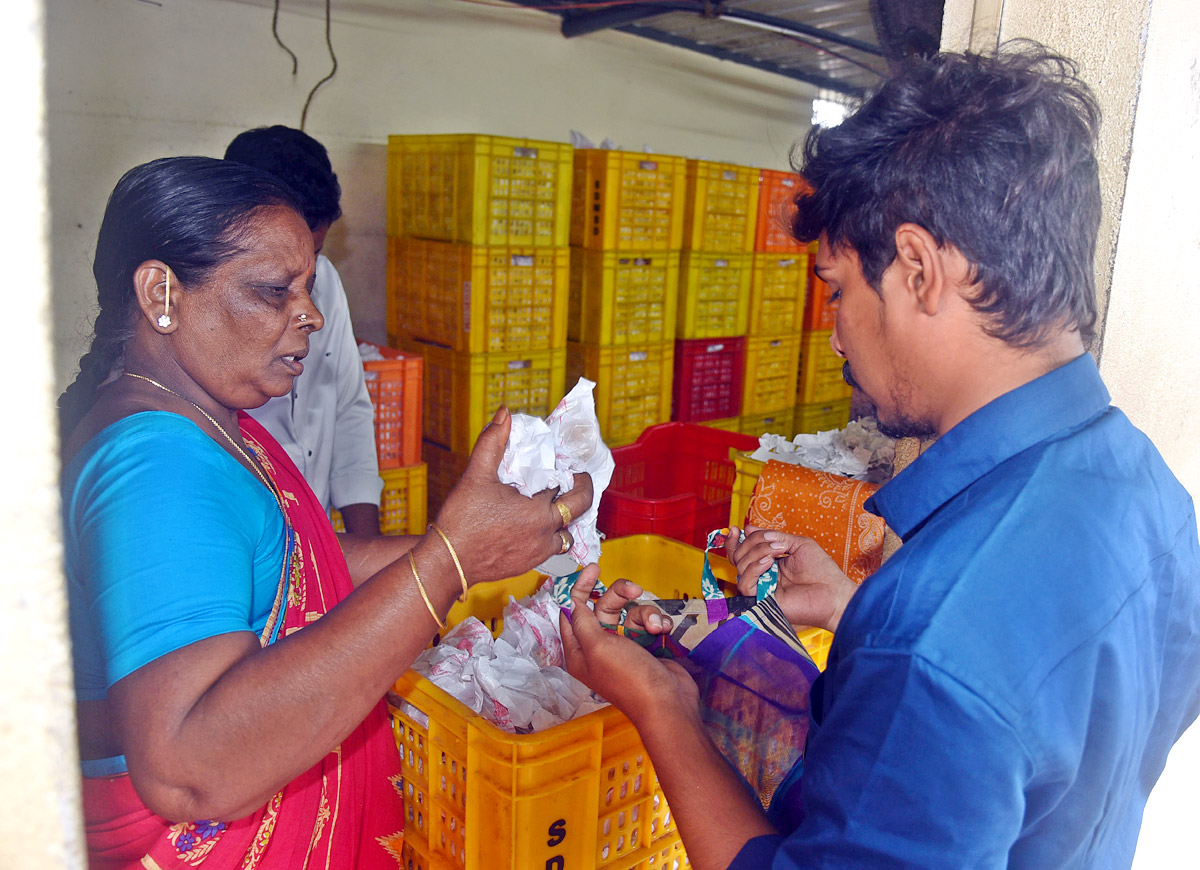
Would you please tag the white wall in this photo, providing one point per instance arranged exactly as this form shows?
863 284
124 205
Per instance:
130 80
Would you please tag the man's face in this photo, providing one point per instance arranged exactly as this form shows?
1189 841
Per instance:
880 358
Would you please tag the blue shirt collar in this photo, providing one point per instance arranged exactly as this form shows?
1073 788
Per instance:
1059 400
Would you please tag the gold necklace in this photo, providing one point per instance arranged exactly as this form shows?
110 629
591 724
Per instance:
253 465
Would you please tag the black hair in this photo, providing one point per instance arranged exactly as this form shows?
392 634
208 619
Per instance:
188 212
299 161
994 155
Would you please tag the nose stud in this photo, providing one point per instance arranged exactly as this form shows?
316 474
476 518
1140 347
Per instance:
303 317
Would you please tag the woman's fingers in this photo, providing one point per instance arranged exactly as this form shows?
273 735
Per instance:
575 502
489 446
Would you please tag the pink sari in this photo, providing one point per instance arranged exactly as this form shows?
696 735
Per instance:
345 812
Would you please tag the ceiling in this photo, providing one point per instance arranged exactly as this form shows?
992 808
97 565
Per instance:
831 44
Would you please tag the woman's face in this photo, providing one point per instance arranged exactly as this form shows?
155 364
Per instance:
243 331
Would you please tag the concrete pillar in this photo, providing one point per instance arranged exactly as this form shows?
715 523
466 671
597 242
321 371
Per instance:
39 773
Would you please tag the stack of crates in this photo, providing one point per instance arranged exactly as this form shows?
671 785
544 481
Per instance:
822 394
394 385
478 275
789 298
626 231
720 217
778 285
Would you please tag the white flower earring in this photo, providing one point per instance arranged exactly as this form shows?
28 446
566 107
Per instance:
164 319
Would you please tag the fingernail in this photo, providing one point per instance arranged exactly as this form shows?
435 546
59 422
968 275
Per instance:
765 560
772 536
775 546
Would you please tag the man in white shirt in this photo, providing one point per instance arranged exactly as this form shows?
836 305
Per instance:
327 422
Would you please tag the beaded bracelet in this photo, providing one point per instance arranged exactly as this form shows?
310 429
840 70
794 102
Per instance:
453 555
424 594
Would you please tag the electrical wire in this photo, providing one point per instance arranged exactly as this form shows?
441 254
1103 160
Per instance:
333 57
275 33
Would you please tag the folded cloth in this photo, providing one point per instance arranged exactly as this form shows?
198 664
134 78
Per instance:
825 507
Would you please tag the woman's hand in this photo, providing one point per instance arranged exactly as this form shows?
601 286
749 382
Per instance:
616 668
812 590
496 531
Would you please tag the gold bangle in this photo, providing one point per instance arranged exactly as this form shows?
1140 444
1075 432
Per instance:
453 555
424 594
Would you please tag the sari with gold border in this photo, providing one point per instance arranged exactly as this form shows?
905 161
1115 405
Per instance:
344 812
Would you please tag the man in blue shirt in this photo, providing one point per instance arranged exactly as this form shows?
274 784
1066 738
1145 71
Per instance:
1004 691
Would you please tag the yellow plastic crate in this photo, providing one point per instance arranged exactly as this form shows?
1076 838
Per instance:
478 189
769 381
477 299
822 416
727 424
820 379
714 294
582 794
624 201
633 385
402 504
721 207
778 283
775 422
463 391
623 297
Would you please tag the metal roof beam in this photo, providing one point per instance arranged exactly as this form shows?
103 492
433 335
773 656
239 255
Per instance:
583 23
816 79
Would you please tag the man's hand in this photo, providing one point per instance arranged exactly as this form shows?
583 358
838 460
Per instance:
616 668
812 590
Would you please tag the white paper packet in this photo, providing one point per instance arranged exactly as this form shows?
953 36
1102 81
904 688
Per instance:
517 681
546 454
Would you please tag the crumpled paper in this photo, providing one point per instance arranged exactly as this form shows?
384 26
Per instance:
517 681
859 451
546 454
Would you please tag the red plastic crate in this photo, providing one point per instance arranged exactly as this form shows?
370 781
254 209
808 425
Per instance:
676 480
394 384
708 378
776 202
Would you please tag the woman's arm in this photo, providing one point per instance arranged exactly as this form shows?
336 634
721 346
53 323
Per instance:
212 730
715 812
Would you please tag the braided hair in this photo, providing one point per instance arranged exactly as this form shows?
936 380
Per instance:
188 212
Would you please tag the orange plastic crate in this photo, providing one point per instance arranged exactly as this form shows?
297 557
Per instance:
820 309
776 204
721 207
394 384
